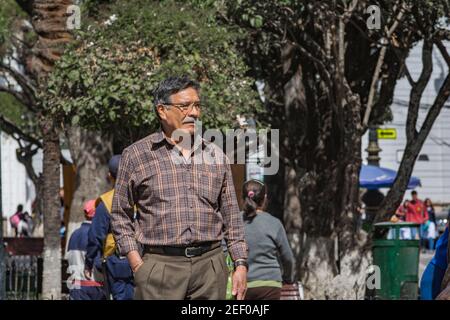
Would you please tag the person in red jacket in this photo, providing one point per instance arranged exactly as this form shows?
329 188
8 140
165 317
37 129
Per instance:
416 213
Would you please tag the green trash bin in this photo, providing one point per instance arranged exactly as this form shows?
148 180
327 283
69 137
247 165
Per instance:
397 256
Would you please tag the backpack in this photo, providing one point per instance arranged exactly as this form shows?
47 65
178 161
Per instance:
14 220
109 245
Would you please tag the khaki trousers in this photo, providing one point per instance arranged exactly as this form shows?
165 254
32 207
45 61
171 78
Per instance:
164 277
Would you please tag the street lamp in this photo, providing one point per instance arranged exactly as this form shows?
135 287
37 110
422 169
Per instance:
372 198
373 149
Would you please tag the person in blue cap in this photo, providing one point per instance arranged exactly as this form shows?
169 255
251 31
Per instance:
102 256
431 281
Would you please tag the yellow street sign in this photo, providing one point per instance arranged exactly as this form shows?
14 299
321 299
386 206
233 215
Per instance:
390 133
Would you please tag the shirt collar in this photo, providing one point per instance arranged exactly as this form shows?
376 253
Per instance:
158 136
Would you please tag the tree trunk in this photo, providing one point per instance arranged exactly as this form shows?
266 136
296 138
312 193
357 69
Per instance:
51 285
49 19
333 254
323 152
90 153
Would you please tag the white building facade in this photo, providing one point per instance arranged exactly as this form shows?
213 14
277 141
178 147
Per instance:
17 188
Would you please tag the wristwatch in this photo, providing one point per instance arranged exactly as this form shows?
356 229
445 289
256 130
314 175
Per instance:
240 262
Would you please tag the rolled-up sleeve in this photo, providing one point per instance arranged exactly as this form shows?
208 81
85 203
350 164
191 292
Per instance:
122 215
233 222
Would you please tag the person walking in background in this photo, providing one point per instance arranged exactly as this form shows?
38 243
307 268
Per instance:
81 288
268 246
102 255
402 210
24 225
14 220
432 229
400 216
416 213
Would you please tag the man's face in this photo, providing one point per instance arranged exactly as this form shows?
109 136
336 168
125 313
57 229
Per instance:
414 196
177 115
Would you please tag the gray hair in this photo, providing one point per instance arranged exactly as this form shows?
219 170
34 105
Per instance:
170 86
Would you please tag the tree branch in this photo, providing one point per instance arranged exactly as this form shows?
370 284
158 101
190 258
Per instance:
320 64
418 89
14 131
25 156
443 51
24 153
435 109
376 74
408 74
349 10
24 83
19 96
443 34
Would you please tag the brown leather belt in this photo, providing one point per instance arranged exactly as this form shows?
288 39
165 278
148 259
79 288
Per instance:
188 251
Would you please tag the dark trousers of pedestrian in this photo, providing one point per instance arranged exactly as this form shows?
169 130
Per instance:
121 289
263 293
87 293
169 277
120 278
430 243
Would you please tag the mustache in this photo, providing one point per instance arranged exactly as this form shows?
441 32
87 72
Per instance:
189 120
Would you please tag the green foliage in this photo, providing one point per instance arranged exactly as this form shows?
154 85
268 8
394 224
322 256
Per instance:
18 114
9 11
105 80
11 108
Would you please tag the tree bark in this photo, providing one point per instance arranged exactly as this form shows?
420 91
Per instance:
48 18
51 285
323 151
90 152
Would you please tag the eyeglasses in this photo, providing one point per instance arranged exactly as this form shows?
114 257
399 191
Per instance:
185 108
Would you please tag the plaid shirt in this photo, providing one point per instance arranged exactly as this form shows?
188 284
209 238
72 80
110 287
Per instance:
178 203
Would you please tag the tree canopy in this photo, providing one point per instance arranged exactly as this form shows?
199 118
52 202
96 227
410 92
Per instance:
104 81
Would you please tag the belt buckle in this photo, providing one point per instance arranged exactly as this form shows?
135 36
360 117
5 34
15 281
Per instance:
187 254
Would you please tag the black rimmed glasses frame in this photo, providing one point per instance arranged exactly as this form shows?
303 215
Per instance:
184 108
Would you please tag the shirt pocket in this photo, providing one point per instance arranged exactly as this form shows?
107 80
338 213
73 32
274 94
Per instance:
210 180
157 190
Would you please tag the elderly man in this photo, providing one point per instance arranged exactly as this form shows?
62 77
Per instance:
185 206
